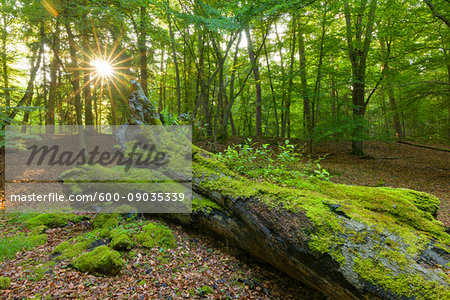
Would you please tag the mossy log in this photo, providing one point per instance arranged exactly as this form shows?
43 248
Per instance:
348 242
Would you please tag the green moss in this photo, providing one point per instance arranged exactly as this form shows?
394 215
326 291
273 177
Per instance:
5 282
156 234
52 220
71 251
9 246
121 242
407 285
110 224
61 247
40 239
102 260
100 220
205 204
38 230
206 289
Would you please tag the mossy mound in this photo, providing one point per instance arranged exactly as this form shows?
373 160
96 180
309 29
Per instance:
52 220
70 251
121 242
101 260
38 230
156 234
5 282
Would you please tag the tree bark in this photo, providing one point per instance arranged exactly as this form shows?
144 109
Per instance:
358 49
75 75
255 67
307 112
6 91
54 65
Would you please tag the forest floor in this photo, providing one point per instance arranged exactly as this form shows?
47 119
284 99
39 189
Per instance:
212 263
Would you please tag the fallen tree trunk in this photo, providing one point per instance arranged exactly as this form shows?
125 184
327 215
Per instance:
345 241
348 242
424 146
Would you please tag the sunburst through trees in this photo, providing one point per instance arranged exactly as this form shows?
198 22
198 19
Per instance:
101 67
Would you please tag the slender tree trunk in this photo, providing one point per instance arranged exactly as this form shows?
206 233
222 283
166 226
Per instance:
54 65
35 63
358 49
274 101
307 113
253 61
142 44
175 62
385 47
75 75
283 84
333 91
6 92
287 112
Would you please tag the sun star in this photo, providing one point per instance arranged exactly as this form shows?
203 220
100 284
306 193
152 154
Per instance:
102 67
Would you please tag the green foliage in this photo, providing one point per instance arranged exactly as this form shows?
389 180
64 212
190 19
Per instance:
284 164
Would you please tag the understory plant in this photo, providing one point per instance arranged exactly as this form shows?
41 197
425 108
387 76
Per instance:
281 166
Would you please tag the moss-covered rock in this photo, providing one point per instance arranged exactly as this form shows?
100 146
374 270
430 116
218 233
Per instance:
156 234
100 220
121 242
69 251
5 282
38 230
52 220
109 225
102 260
61 247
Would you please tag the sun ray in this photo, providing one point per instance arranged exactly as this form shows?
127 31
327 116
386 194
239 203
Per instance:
116 44
123 98
123 83
74 93
80 49
126 76
96 41
120 62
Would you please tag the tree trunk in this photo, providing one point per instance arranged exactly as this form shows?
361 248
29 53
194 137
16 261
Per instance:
54 65
35 63
255 67
274 101
6 92
307 112
143 49
287 112
75 75
175 62
324 235
358 48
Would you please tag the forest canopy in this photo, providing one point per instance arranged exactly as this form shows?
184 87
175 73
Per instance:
315 70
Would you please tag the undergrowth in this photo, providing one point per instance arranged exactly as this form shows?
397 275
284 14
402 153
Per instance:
261 162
